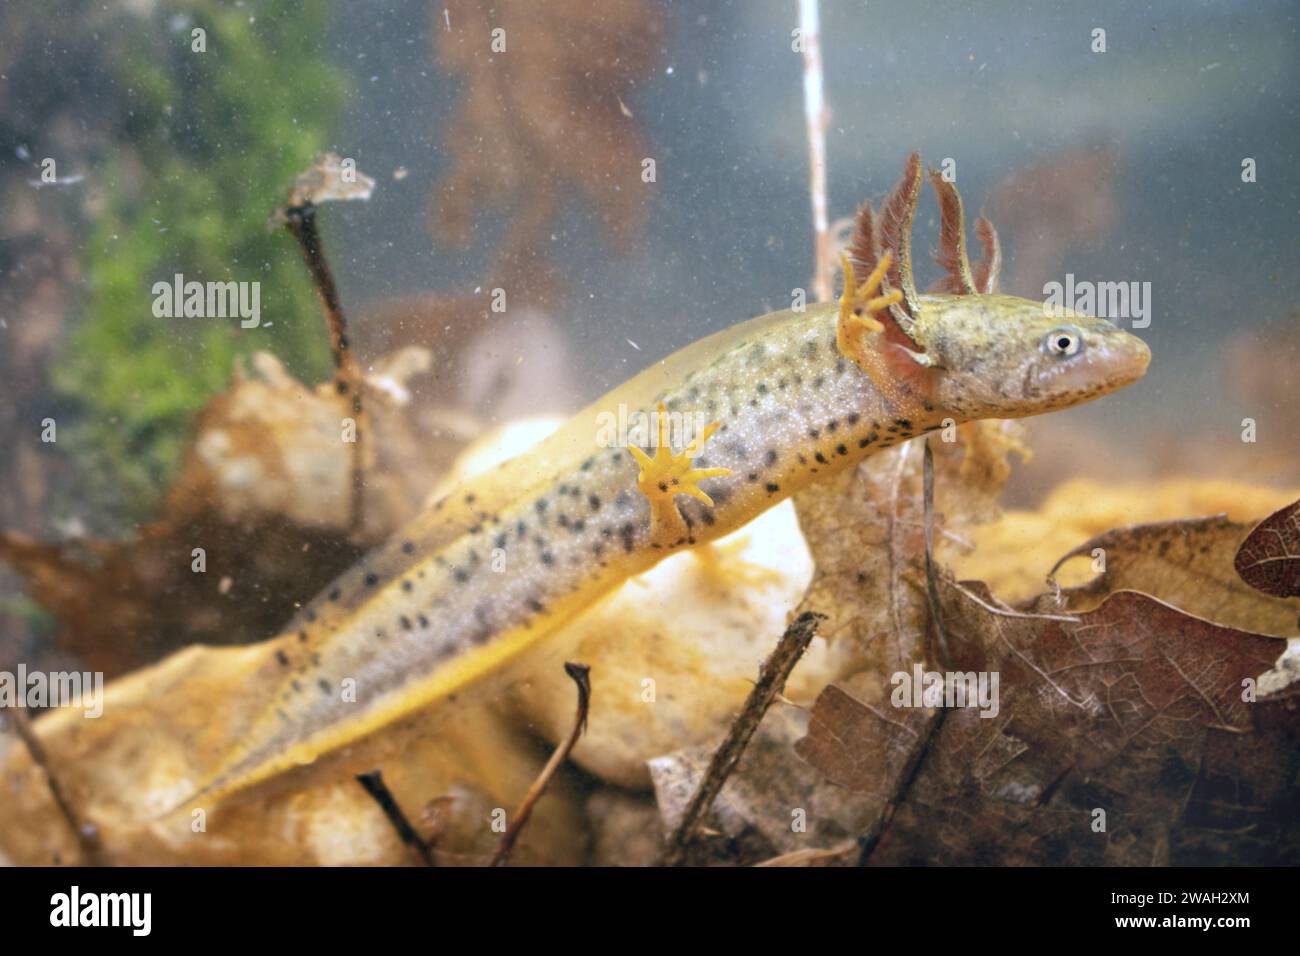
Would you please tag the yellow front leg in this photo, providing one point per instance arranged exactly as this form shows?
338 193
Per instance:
858 331
666 475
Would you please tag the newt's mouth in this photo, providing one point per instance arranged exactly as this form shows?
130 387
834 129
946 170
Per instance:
1112 361
1128 357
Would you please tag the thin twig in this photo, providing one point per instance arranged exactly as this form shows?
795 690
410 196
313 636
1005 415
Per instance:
771 682
581 675
815 114
87 835
373 784
871 838
931 573
301 221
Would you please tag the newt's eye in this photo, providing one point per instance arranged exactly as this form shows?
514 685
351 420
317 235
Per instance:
1063 341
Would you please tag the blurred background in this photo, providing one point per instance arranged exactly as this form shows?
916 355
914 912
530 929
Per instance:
522 170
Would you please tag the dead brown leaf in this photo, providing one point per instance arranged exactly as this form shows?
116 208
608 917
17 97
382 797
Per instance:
1269 559
1188 564
865 530
1134 717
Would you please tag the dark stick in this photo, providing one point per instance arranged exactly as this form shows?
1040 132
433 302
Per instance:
771 682
374 785
871 838
87 835
301 221
581 675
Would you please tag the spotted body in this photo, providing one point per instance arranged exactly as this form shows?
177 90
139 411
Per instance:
794 397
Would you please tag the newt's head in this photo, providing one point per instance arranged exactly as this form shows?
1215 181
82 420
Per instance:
962 348
999 356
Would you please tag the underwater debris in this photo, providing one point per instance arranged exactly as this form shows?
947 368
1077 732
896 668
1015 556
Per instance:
328 179
373 784
771 682
551 110
580 674
262 482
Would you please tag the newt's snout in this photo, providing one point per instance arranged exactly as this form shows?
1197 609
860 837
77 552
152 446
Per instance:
1091 357
1132 359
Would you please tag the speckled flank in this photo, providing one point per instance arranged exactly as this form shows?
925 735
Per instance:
421 617
792 410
